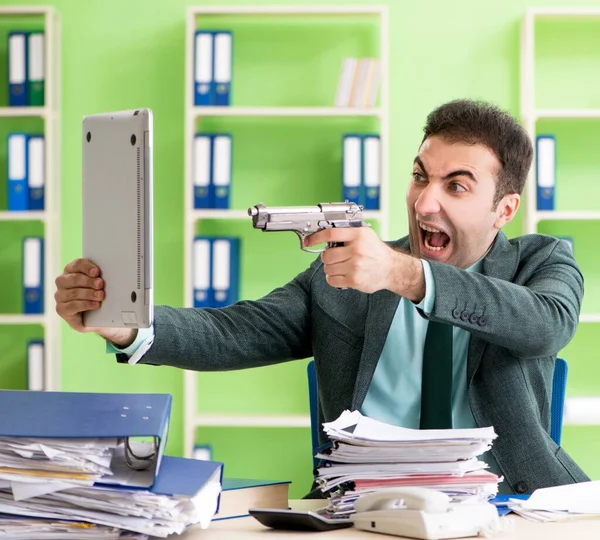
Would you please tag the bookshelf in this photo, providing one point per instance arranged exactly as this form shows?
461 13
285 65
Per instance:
264 117
542 119
40 119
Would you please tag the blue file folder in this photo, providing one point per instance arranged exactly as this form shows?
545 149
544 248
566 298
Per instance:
201 271
17 172
545 171
33 275
74 415
225 270
203 67
352 157
222 68
371 172
35 172
220 186
17 70
203 166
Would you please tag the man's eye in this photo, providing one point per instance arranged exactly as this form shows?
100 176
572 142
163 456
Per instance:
417 176
455 186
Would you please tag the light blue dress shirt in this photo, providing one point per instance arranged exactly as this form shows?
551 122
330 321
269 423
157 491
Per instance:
394 395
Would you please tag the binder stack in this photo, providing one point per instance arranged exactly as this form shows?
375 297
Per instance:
26 71
212 68
361 169
367 455
93 465
215 273
212 170
26 174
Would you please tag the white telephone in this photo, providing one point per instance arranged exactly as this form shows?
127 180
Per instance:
424 513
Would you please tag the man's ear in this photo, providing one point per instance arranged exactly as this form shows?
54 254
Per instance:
506 209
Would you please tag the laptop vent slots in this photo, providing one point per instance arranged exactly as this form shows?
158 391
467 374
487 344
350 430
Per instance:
139 220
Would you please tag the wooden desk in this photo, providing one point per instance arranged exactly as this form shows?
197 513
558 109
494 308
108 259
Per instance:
519 529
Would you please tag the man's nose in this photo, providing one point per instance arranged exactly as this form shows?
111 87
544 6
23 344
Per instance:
428 201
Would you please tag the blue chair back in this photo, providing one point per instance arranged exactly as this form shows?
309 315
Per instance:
557 405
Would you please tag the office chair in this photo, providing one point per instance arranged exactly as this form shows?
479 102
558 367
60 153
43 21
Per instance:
557 405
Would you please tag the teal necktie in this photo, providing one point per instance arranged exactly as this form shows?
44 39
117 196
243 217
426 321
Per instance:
436 384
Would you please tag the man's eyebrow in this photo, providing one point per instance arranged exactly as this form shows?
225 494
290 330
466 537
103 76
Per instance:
461 172
420 164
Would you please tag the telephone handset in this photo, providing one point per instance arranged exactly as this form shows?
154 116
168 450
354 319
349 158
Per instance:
419 512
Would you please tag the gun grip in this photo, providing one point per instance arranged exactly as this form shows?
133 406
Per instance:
335 244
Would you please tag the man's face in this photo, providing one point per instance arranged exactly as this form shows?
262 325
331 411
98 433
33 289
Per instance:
450 202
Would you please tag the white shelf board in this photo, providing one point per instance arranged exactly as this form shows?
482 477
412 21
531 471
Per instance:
574 215
19 318
27 215
564 12
582 411
16 112
198 112
566 113
241 420
25 10
287 10
196 215
589 318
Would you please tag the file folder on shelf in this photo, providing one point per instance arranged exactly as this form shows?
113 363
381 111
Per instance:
225 271
17 172
76 415
545 171
202 170
371 171
221 170
222 68
17 69
203 68
35 172
352 168
33 274
35 68
35 365
201 274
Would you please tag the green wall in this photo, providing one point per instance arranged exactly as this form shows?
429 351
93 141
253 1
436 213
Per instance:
120 55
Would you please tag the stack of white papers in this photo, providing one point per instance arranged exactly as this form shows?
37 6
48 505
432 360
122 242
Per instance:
367 455
41 529
560 503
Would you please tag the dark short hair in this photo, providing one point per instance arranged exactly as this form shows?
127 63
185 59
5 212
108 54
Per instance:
477 122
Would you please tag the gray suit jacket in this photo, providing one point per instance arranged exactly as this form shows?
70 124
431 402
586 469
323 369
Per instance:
520 311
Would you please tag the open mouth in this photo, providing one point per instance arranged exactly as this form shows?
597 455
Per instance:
434 239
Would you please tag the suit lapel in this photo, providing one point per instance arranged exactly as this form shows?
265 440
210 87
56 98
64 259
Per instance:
380 313
501 262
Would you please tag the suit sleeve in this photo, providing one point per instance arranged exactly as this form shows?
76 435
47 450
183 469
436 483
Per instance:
273 329
534 315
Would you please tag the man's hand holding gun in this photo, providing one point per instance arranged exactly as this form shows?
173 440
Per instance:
354 257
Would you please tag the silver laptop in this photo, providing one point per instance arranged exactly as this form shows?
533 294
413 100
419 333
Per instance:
118 215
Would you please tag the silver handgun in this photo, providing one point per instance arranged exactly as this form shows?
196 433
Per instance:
306 220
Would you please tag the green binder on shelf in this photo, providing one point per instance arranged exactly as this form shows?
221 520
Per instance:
35 68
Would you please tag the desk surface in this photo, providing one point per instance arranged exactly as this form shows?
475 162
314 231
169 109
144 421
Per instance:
517 529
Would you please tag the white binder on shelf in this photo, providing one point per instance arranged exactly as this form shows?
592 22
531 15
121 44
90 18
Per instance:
371 171
35 365
201 272
35 176
202 168
225 271
33 274
203 68
222 68
17 69
545 171
352 168
221 170
17 172
345 83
